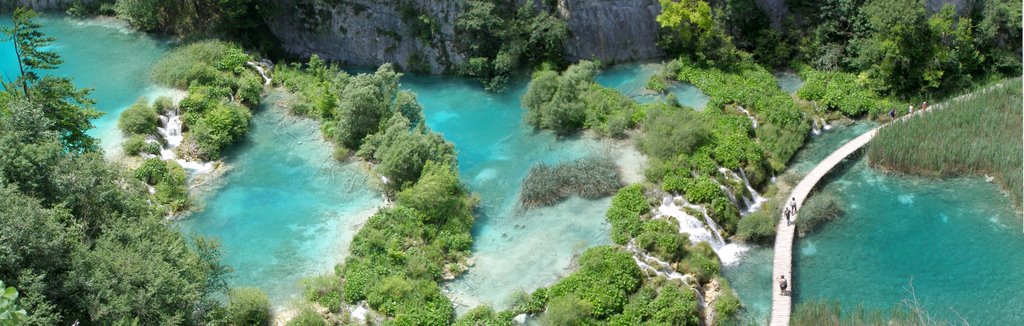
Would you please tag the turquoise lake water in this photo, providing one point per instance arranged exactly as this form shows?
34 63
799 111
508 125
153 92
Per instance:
514 249
284 210
101 54
959 239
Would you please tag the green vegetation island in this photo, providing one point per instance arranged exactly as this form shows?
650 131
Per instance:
497 162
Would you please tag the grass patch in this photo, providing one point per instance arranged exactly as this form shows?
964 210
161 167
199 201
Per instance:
979 134
820 208
591 177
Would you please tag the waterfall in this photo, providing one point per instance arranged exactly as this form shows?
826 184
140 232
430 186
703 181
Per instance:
753 122
707 231
757 200
259 69
171 131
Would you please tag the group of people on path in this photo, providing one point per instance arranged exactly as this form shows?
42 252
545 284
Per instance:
924 105
788 211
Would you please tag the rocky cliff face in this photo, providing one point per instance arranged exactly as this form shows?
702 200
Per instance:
39 5
611 31
369 33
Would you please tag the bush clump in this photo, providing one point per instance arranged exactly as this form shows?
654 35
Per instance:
307 317
757 227
818 209
668 305
571 101
590 177
624 215
602 284
138 119
248 306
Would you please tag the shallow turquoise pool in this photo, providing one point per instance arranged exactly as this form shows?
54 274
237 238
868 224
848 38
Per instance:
284 209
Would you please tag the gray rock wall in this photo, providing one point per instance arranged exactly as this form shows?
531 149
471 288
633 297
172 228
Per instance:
39 5
369 33
611 30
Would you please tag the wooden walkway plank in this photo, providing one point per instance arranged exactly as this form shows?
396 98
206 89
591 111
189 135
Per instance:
782 305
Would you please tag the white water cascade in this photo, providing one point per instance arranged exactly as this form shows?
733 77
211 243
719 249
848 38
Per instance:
651 264
259 68
171 131
751 204
753 122
757 200
707 231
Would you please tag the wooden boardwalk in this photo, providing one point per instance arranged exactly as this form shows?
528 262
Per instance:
782 305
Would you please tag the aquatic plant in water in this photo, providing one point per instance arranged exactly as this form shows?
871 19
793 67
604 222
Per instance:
591 177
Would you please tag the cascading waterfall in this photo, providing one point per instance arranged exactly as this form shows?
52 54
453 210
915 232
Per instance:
259 68
171 131
663 269
707 231
757 200
753 122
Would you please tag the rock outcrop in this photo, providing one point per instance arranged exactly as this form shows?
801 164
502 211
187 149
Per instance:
419 34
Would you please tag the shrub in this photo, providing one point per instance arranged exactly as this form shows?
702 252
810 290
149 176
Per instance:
758 227
663 240
703 190
669 132
604 280
163 104
172 189
324 290
402 151
152 170
840 91
818 209
655 83
566 311
483 315
202 61
727 305
624 214
248 306
667 305
307 317
140 118
134 144
702 262
590 177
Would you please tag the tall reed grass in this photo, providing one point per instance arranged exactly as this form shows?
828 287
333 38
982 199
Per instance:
976 134
591 177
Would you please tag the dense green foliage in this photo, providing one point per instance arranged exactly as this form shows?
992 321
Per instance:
140 119
667 305
973 135
759 226
781 127
247 306
590 177
307 317
841 91
690 29
78 235
10 313
219 85
571 101
818 209
402 149
602 285
68 108
727 305
902 48
499 39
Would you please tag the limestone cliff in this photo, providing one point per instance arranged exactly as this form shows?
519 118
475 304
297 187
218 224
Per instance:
419 34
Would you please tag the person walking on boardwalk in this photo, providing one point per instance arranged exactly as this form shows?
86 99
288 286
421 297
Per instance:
892 114
785 212
783 284
792 205
911 109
